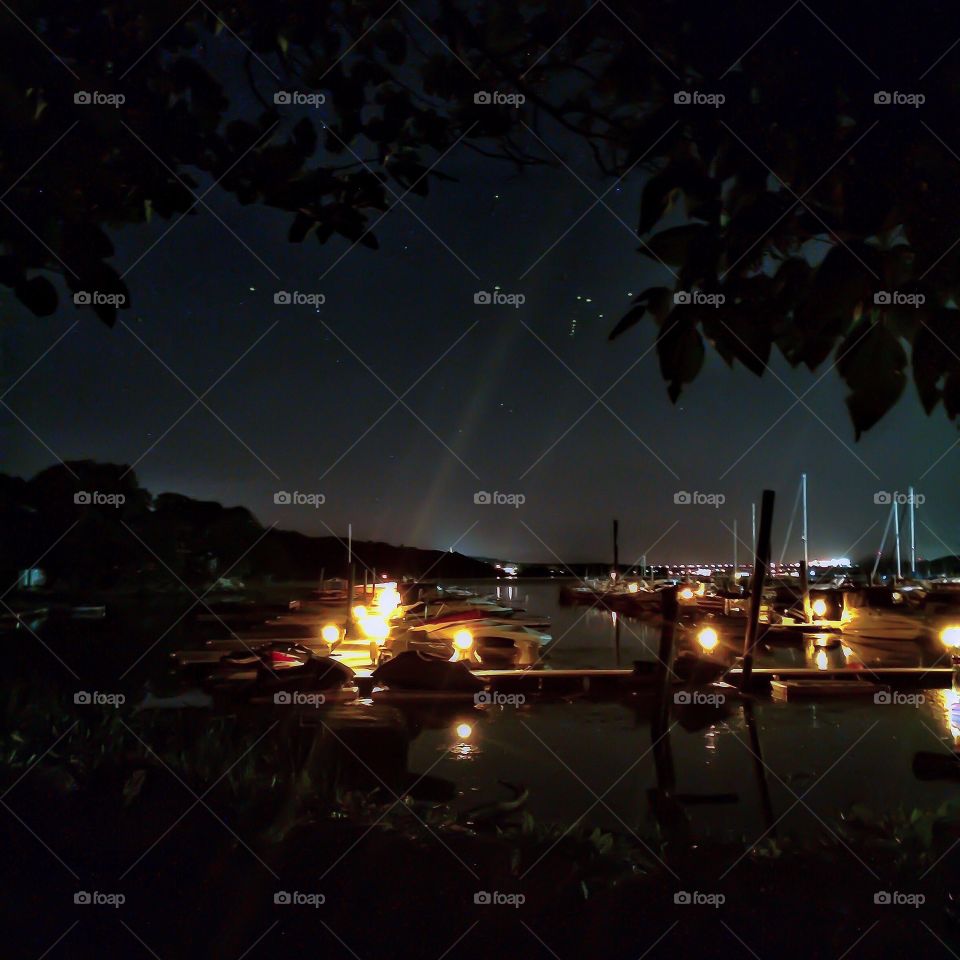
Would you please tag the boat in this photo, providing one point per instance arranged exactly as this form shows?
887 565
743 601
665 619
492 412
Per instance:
422 611
482 642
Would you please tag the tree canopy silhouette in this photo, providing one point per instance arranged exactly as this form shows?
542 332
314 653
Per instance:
802 165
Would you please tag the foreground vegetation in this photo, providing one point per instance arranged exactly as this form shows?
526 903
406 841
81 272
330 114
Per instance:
205 818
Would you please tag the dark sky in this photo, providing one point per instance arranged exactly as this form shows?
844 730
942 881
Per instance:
506 409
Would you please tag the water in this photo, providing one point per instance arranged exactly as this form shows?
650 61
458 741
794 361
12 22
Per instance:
594 760
583 636
590 760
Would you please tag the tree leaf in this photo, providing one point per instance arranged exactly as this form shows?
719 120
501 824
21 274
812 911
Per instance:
872 361
680 351
673 246
38 295
653 298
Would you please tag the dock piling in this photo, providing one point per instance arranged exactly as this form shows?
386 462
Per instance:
760 567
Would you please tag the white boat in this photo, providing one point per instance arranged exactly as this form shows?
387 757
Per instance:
454 609
481 642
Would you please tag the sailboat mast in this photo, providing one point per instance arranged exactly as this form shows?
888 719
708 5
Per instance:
896 525
734 549
803 486
616 548
913 538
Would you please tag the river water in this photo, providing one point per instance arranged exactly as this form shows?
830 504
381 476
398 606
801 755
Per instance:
593 760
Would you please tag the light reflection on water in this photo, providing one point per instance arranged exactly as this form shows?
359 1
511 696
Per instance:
583 636
569 754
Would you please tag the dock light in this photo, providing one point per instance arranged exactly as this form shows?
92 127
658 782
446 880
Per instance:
330 633
463 640
819 608
359 611
388 600
464 731
950 637
686 594
708 638
633 587
374 627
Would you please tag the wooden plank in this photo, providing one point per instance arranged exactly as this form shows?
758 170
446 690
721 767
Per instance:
788 690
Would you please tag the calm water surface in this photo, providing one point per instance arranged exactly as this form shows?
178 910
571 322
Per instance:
594 760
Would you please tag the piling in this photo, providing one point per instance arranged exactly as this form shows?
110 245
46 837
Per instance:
760 566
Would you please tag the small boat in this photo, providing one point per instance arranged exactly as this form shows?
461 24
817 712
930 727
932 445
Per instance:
881 613
479 642
454 610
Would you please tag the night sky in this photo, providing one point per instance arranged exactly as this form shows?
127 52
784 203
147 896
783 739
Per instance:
507 396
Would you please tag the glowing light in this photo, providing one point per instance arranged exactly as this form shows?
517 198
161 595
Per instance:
388 600
374 627
330 633
359 611
464 731
686 594
819 608
950 636
633 588
708 638
463 639
822 660
701 589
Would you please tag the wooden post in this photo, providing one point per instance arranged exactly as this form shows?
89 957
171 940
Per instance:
805 590
351 587
668 612
760 565
758 765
